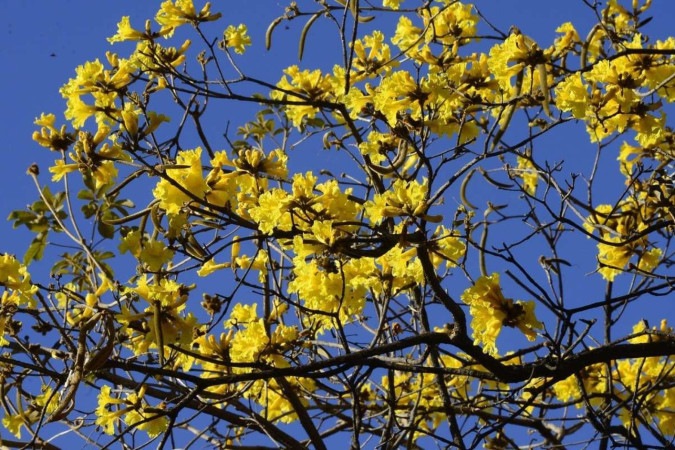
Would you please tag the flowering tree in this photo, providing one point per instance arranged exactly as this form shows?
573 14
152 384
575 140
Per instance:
440 274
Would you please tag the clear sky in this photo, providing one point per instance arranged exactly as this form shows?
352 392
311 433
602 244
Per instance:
42 41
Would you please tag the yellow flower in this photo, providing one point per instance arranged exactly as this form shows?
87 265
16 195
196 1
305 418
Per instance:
393 4
105 174
612 259
131 243
181 12
168 292
154 254
330 286
324 232
373 56
237 38
447 246
404 198
48 396
663 332
125 32
528 173
254 161
512 56
133 409
154 120
408 37
154 59
243 314
148 420
162 322
210 266
60 169
284 334
567 41
594 379
337 203
314 86
398 268
78 112
189 179
451 24
14 275
490 311
105 417
13 423
49 136
257 262
130 119
46 120
649 259
272 397
272 211
249 342
396 95
628 157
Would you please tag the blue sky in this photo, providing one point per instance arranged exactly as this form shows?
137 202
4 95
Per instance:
42 41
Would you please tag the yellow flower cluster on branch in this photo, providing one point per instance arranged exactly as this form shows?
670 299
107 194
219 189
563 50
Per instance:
617 227
26 417
173 14
130 407
17 291
490 311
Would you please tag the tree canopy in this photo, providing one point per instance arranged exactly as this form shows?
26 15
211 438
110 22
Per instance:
399 251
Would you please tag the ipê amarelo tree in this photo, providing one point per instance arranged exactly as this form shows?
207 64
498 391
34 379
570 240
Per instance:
397 251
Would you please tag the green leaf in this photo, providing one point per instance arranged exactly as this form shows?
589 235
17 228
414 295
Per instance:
36 249
89 210
85 194
20 217
100 256
104 229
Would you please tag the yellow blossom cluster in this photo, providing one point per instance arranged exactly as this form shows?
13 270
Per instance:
636 378
28 415
303 89
252 341
609 97
80 305
405 391
17 291
618 226
528 173
234 183
102 92
132 409
237 38
659 148
372 57
162 322
449 25
490 311
151 253
404 199
173 14
647 379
